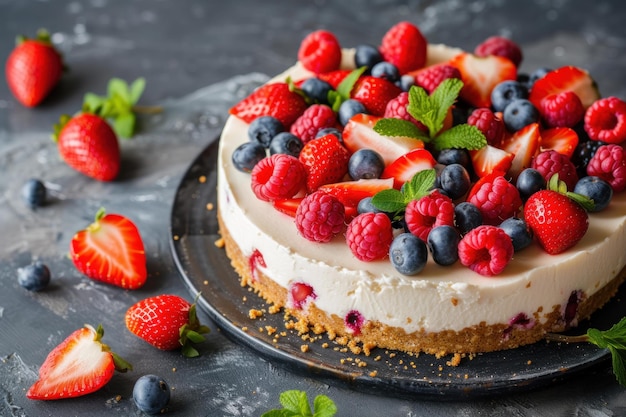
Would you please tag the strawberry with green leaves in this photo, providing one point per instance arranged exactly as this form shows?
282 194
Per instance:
80 365
110 250
167 322
33 69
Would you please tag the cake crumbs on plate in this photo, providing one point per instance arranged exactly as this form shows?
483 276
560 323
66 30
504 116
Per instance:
304 348
202 179
219 242
210 206
254 314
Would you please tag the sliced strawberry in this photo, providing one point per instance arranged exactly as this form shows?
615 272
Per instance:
351 192
375 93
110 250
359 134
325 160
524 144
489 159
561 139
274 99
287 206
80 365
481 74
406 166
568 78
334 78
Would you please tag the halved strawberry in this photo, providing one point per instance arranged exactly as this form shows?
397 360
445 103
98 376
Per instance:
287 206
481 74
275 99
80 365
568 78
325 161
406 166
110 250
524 144
561 139
359 134
375 93
489 159
334 78
351 192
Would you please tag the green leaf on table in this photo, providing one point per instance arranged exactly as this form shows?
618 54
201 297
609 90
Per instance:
296 404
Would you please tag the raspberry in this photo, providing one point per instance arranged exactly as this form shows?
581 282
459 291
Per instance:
278 176
314 119
562 109
497 45
430 78
369 236
496 198
487 122
320 52
255 261
486 250
397 109
320 216
605 120
609 163
551 162
404 46
354 322
430 211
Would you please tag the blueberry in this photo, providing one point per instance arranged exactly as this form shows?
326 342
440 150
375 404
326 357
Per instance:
596 189
151 394
348 109
286 143
386 70
365 164
366 56
247 155
454 181
408 254
330 130
263 129
537 74
34 193
34 277
505 92
519 113
406 82
467 217
518 231
454 156
529 181
443 242
366 206
316 89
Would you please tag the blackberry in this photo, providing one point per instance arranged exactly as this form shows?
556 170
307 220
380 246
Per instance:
582 155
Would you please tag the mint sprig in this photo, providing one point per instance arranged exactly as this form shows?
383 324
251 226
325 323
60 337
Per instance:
344 89
395 201
296 404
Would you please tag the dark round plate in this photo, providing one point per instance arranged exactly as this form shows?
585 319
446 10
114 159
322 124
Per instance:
206 269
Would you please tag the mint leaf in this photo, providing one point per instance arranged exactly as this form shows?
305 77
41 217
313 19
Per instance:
422 109
296 401
278 413
389 201
296 404
347 84
420 185
399 127
443 98
461 136
615 340
324 406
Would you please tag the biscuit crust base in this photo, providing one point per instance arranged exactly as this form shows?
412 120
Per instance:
474 339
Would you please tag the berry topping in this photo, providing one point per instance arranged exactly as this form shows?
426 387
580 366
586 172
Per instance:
496 198
325 161
597 190
430 211
505 92
429 78
385 70
369 236
406 166
454 180
562 109
316 89
561 139
609 163
404 46
365 164
500 46
549 163
490 159
151 394
488 123
354 321
315 118
519 113
34 277
524 144
486 250
467 217
277 176
348 109
408 254
443 244
366 56
299 295
286 143
320 216
529 181
320 52
247 155
605 120
374 93
568 78
263 129
518 231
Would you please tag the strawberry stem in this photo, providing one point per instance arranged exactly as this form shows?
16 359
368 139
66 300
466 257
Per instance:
147 109
554 337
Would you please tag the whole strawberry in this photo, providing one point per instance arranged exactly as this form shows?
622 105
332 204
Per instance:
88 144
375 93
167 322
33 69
325 160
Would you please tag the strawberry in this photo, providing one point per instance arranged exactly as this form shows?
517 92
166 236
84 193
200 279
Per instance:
481 74
287 206
375 93
167 322
33 69
334 78
275 99
359 134
406 166
80 365
88 144
489 159
110 250
524 144
561 139
325 160
568 78
351 192
404 46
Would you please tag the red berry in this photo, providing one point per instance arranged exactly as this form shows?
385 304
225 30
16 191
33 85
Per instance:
314 119
605 120
375 93
320 217
487 122
500 46
397 109
486 250
369 236
354 322
430 211
496 198
325 161
334 78
299 295
429 78
320 52
404 46
255 262
277 176
562 109
552 162
609 163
